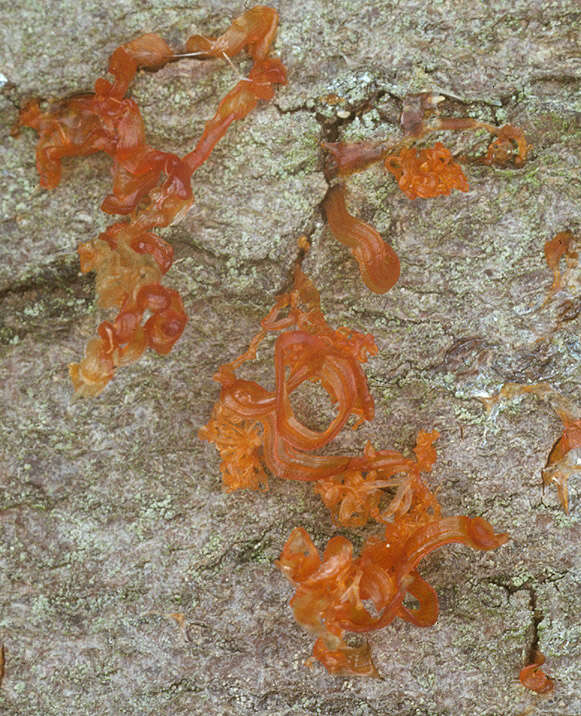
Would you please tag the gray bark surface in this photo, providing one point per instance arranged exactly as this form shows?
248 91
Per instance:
112 516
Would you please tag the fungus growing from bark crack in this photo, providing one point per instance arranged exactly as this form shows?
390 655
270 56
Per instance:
534 678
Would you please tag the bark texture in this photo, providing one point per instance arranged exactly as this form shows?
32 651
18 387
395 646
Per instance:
112 518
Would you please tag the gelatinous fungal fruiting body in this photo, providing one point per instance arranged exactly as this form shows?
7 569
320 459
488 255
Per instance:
306 348
335 591
562 461
564 458
152 187
425 173
534 678
254 429
563 245
378 262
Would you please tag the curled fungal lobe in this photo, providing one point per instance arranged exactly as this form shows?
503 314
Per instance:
378 262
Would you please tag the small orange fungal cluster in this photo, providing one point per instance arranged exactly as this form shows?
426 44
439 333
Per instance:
563 460
306 348
428 173
562 245
534 678
332 589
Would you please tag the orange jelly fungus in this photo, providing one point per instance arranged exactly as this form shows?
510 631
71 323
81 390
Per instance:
561 245
426 174
331 590
534 678
563 460
350 157
378 262
254 428
152 187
